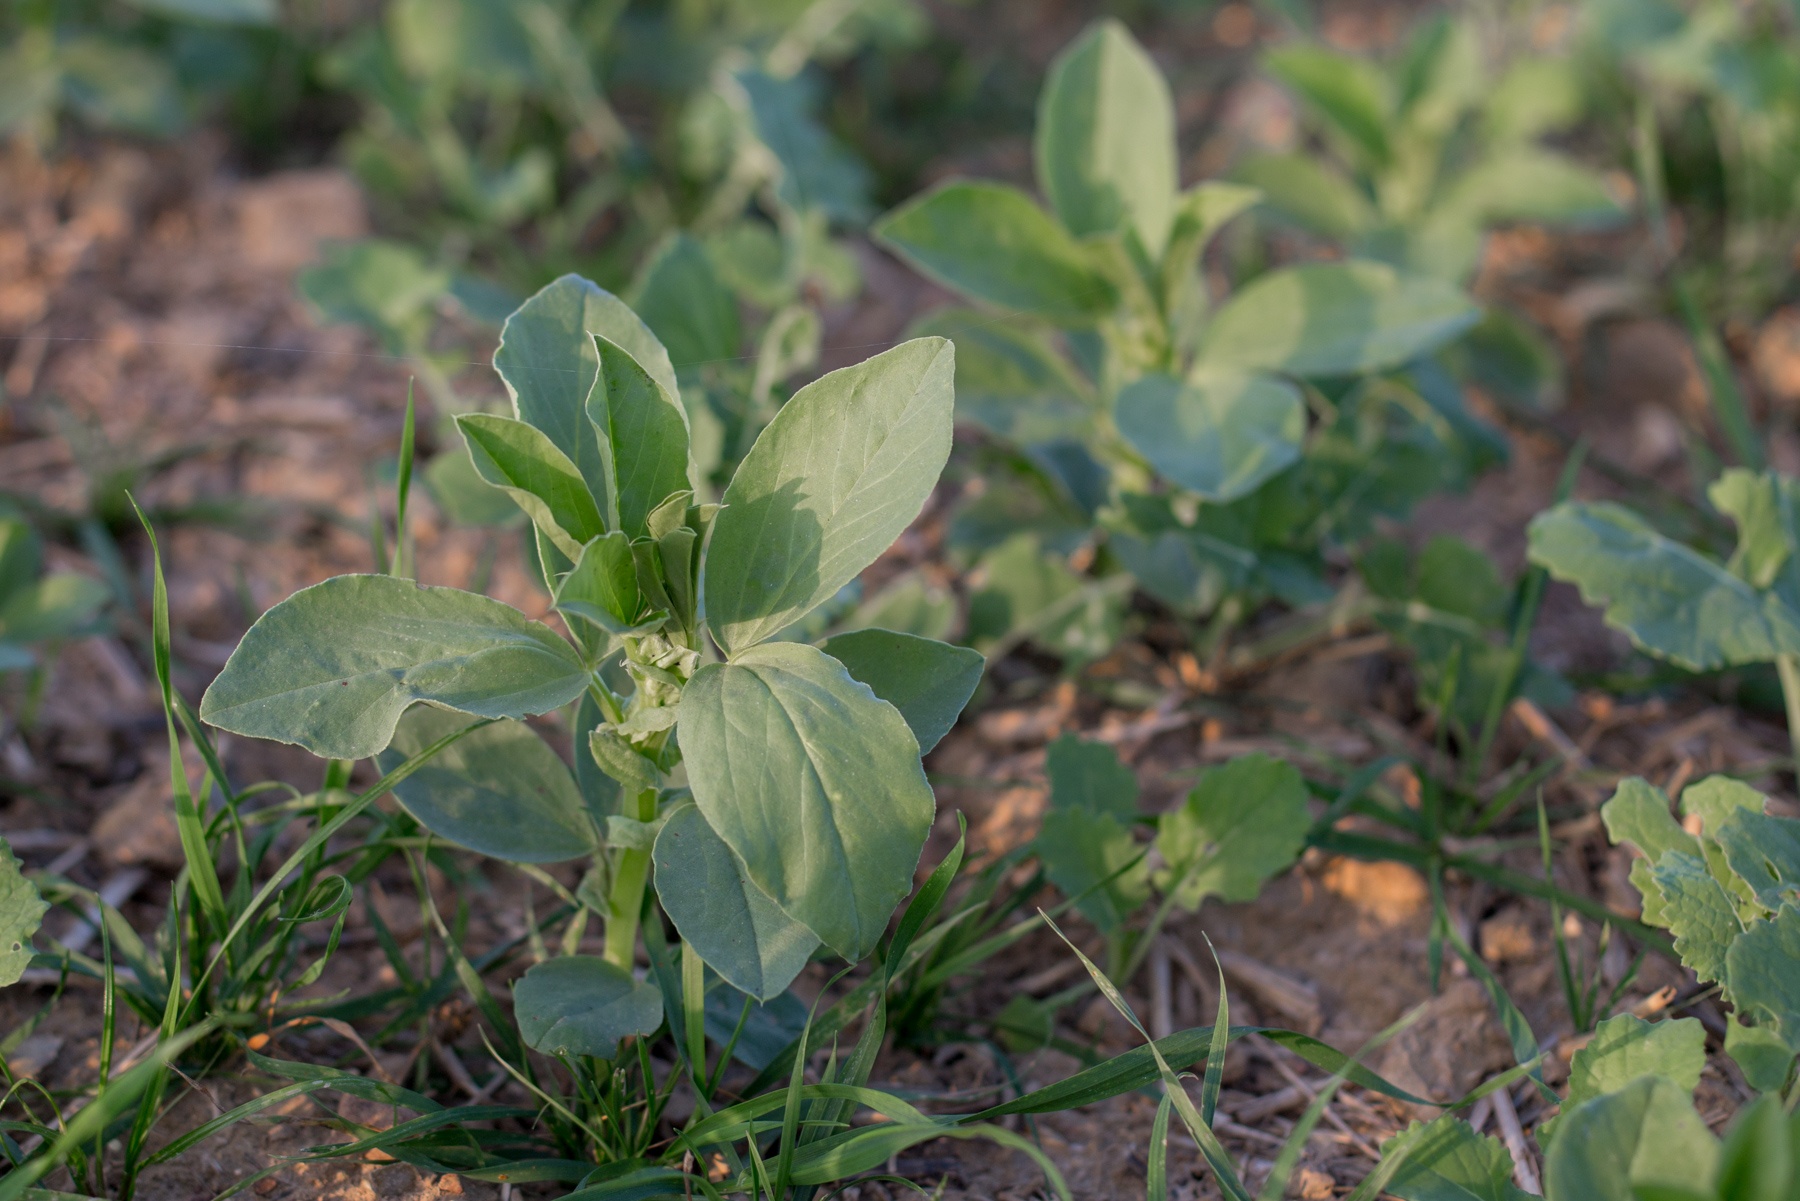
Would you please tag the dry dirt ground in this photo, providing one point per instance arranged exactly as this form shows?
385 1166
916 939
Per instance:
149 333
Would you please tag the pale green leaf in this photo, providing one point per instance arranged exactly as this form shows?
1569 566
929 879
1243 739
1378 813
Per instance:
1714 799
1762 973
1698 910
523 462
1762 504
909 604
1764 853
1625 1048
584 1005
1346 91
1671 601
834 479
1638 813
1106 153
736 928
499 790
21 912
1088 775
1335 319
928 681
813 781
332 667
1760 1055
1621 1146
643 435
994 244
1527 184
549 363
1310 193
1447 1161
1761 1154
1080 847
1243 822
1221 436
385 287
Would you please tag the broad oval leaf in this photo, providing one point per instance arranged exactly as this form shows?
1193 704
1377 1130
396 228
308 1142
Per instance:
1242 823
1672 601
548 362
928 681
684 302
21 912
1220 436
1762 973
583 1005
1335 319
813 781
835 478
732 923
1088 775
993 243
1312 194
1346 91
1625 1048
1106 139
1622 1146
521 460
332 667
643 434
498 790
1009 380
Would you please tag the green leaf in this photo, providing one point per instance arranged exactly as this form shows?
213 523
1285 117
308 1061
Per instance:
1763 851
222 12
1079 848
643 437
332 667
1762 973
583 1005
499 790
736 928
1009 380
817 173
994 244
1453 577
603 588
813 781
1638 813
1535 186
1762 504
689 309
1088 775
1696 908
928 681
1310 193
1761 1154
1625 1048
1346 91
1447 1161
834 479
457 488
909 604
1335 319
549 362
21 912
1243 822
1621 1146
119 86
1106 138
1759 1053
523 462
1672 602
1715 799
21 557
1221 436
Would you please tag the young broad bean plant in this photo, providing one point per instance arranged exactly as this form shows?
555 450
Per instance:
1679 604
775 786
1133 420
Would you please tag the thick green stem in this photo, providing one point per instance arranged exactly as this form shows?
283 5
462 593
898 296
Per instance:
630 874
1788 667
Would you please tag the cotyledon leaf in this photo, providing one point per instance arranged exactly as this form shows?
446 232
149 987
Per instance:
500 790
549 364
733 924
583 1005
1673 602
21 912
834 479
813 781
332 667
